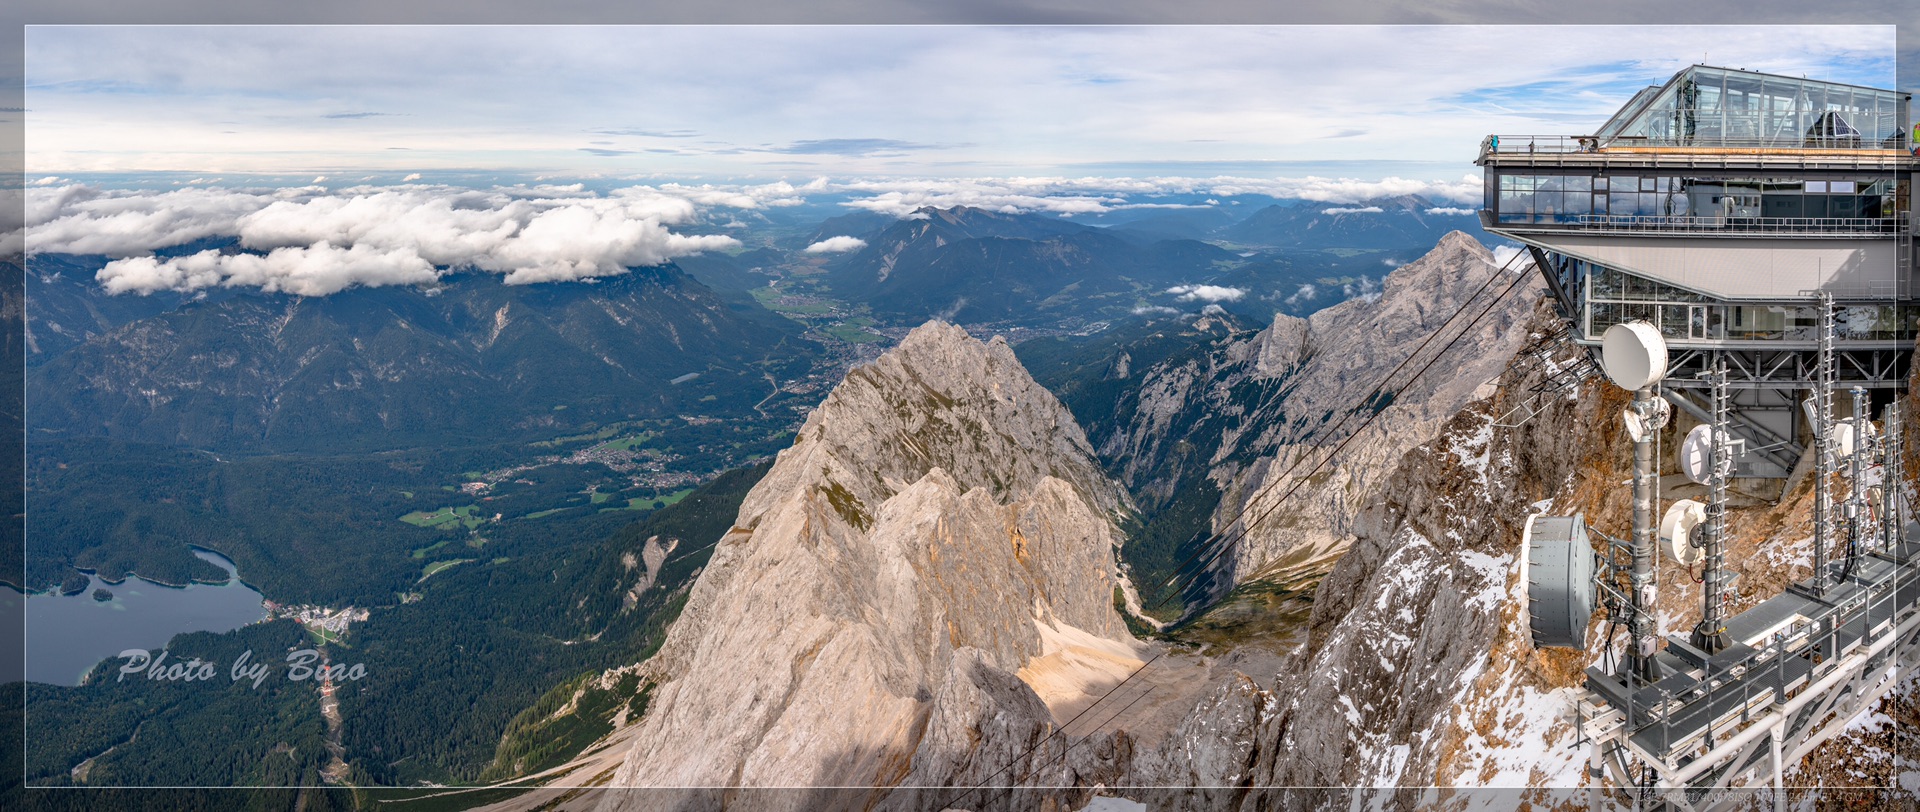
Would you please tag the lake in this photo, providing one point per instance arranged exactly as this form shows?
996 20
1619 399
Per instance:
68 634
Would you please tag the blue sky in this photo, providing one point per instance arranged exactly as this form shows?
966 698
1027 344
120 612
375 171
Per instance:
867 101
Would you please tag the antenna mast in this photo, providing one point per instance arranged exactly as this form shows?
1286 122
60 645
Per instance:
1711 635
1823 446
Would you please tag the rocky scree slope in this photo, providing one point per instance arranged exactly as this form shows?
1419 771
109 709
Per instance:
926 568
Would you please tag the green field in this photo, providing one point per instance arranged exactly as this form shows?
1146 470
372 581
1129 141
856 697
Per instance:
445 517
602 434
439 566
630 443
544 513
853 331
601 496
646 502
421 552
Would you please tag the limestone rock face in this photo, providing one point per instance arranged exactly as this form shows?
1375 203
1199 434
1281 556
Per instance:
1415 673
938 531
1271 406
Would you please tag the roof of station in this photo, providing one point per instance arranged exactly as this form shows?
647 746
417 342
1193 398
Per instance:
1708 106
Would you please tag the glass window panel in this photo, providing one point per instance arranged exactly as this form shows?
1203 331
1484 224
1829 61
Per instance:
1673 321
1607 283
1816 186
1841 187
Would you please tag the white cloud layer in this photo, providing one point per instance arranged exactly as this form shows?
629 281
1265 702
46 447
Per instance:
313 242
1094 195
1503 254
837 245
1353 210
1449 210
1207 293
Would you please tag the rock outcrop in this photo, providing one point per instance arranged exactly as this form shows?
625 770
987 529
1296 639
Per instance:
922 582
1260 412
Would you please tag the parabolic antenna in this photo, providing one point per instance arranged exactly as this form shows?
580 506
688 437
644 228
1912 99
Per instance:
1634 355
1696 454
1676 531
1843 439
1559 580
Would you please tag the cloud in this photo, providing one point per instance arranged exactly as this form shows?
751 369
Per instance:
1213 310
837 245
1502 254
1094 195
1353 210
308 271
314 242
1449 210
320 179
1156 310
1367 289
84 220
1306 291
1348 190
604 152
410 178
49 181
1209 293
852 147
356 115
648 133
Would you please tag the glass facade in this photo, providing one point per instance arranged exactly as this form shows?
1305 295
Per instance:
1703 106
1694 201
1609 296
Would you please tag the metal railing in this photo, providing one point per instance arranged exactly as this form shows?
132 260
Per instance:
1731 224
1718 224
1567 144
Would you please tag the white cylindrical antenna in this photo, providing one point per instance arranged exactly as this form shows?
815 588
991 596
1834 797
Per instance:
1676 531
1634 355
1696 454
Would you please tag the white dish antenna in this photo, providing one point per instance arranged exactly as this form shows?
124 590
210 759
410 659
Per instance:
1843 440
1696 454
1634 355
1676 531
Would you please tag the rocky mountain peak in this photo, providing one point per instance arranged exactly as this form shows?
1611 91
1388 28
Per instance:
942 399
935 553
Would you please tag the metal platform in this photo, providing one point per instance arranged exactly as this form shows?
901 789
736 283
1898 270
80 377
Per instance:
1802 665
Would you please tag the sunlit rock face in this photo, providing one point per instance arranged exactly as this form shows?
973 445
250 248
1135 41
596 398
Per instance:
919 578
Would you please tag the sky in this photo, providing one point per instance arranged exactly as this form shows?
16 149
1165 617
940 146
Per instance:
794 102
371 155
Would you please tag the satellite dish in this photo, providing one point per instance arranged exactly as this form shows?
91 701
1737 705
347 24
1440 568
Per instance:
1841 436
1559 574
1696 454
1634 355
1676 531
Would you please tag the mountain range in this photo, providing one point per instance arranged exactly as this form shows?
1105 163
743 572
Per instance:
470 359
